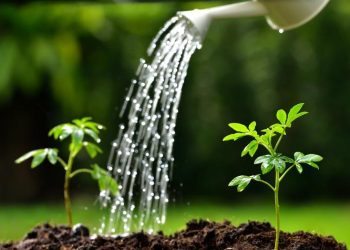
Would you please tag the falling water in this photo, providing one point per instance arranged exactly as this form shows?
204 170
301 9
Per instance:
141 157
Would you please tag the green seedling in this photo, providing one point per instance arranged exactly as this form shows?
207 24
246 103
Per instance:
270 138
80 130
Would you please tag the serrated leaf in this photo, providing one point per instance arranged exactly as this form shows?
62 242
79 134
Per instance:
52 155
252 126
92 149
27 156
252 146
299 167
38 158
281 116
234 137
239 127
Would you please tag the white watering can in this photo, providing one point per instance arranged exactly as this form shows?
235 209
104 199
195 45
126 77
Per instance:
280 14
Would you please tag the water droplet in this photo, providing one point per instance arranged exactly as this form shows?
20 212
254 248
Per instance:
280 31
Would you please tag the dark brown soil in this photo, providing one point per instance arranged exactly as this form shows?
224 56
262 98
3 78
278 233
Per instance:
198 235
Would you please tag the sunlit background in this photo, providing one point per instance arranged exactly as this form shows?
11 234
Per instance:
60 61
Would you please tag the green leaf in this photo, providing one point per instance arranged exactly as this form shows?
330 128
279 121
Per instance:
52 155
278 128
252 146
239 127
256 177
266 167
281 116
269 133
268 162
261 159
92 149
105 181
234 137
298 156
79 122
67 130
294 114
252 126
310 158
27 156
77 136
253 149
92 134
279 164
85 119
56 131
287 159
39 157
243 181
94 126
62 131
312 164
75 148
265 139
295 110
299 167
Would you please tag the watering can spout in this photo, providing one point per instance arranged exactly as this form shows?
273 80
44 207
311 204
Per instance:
280 14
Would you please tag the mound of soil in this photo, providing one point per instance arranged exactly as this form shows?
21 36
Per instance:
198 235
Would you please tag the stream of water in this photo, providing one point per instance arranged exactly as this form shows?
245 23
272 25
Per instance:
141 156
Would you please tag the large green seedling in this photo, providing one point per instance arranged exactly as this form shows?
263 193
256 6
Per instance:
273 160
79 131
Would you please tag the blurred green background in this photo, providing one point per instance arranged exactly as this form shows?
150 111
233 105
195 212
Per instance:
59 61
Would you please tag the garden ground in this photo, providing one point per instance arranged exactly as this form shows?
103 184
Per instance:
323 218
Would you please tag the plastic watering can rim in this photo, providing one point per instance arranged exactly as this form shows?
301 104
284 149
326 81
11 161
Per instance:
280 14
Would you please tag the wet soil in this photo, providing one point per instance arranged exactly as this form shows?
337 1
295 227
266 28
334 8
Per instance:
199 234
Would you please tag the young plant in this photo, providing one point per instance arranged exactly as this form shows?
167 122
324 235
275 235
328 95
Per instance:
80 130
274 160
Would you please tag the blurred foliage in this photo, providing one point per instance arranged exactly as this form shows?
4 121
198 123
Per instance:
63 60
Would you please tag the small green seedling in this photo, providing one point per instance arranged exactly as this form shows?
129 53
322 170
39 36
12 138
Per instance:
273 160
79 131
